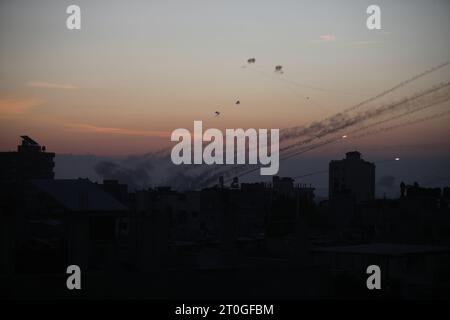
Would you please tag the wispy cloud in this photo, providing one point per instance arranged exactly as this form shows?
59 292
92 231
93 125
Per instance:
365 42
326 38
87 128
49 85
17 106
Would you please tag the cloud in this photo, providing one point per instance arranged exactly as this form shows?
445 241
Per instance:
17 106
87 128
326 38
365 42
135 178
48 85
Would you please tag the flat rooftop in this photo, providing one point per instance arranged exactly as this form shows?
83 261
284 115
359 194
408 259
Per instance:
79 195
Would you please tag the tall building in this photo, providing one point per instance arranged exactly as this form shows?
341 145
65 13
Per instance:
30 161
352 177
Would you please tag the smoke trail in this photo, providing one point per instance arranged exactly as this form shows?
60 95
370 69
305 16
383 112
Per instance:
143 171
336 122
439 100
430 105
239 171
418 99
135 178
398 86
368 133
405 124
157 168
433 95
298 131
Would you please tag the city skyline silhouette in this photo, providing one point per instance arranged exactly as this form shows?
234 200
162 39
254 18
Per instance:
209 156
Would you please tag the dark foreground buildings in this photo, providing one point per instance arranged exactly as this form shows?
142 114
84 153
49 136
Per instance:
352 177
30 161
246 240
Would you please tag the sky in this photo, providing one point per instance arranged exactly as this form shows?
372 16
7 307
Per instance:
137 70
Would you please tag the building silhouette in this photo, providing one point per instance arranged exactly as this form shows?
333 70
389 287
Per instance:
63 222
241 240
352 177
30 161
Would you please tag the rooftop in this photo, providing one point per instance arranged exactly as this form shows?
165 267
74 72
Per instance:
79 195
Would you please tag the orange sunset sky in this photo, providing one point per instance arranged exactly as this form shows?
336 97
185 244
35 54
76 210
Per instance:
137 70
